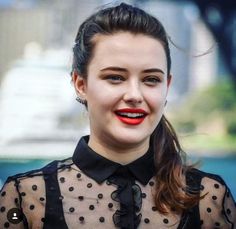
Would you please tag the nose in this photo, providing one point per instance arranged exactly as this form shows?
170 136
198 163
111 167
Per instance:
133 93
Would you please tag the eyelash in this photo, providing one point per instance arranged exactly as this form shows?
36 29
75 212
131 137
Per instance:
149 80
152 80
115 79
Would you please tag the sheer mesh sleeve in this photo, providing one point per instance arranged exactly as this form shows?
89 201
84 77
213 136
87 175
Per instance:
22 202
10 199
217 208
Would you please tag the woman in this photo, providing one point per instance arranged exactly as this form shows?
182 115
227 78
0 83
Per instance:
129 172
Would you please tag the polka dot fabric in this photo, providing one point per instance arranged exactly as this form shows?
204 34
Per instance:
217 208
62 195
87 204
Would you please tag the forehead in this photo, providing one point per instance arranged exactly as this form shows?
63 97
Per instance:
125 48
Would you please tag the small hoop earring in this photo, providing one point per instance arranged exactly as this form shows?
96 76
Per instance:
82 101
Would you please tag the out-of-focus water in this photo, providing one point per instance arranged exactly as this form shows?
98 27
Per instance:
223 166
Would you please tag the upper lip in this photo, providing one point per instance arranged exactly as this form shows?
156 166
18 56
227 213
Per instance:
132 110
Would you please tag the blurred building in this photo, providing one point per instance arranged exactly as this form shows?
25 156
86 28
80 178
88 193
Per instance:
50 23
53 24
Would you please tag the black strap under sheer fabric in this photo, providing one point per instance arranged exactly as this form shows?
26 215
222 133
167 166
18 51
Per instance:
129 195
54 216
191 218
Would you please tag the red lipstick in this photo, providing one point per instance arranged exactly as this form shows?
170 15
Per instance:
131 116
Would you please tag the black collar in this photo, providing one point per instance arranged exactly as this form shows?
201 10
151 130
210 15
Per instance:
100 168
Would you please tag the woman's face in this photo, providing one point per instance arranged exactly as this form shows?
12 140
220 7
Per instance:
125 89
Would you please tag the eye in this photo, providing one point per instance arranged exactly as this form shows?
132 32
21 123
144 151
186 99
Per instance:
114 79
151 80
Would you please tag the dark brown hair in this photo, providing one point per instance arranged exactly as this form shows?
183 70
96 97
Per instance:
170 188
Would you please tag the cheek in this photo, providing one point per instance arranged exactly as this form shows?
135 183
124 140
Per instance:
103 97
155 99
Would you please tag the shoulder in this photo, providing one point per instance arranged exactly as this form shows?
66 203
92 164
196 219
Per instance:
216 205
48 169
209 184
196 174
36 175
199 180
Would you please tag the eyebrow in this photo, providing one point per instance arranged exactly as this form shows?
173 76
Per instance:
150 70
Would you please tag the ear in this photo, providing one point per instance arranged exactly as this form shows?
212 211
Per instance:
169 80
79 84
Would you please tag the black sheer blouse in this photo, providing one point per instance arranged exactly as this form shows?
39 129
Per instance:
90 191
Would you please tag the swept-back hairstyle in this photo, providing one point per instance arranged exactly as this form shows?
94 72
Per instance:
170 190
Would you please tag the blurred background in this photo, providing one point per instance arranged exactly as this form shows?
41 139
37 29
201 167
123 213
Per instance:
39 117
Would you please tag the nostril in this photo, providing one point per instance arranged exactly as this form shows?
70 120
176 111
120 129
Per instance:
133 98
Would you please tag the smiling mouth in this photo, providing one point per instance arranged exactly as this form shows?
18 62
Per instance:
131 116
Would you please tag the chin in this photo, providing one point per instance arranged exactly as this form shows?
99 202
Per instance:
131 139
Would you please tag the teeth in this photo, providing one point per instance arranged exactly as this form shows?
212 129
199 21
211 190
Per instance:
131 115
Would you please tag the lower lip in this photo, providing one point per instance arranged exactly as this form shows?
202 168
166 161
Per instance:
130 121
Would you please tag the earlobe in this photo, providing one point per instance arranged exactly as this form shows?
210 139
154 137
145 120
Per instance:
79 84
169 80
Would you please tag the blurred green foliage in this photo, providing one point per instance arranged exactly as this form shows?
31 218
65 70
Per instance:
206 120
212 106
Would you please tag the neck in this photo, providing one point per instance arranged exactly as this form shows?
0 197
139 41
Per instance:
118 152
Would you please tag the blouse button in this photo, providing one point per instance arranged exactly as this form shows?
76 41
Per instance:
209 210
23 194
89 185
100 196
80 198
2 209
78 175
31 207
151 183
102 219
91 207
42 199
71 189
146 220
110 205
34 187
144 195
165 221
62 179
154 208
216 186
214 197
81 219
71 209
3 193
217 224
